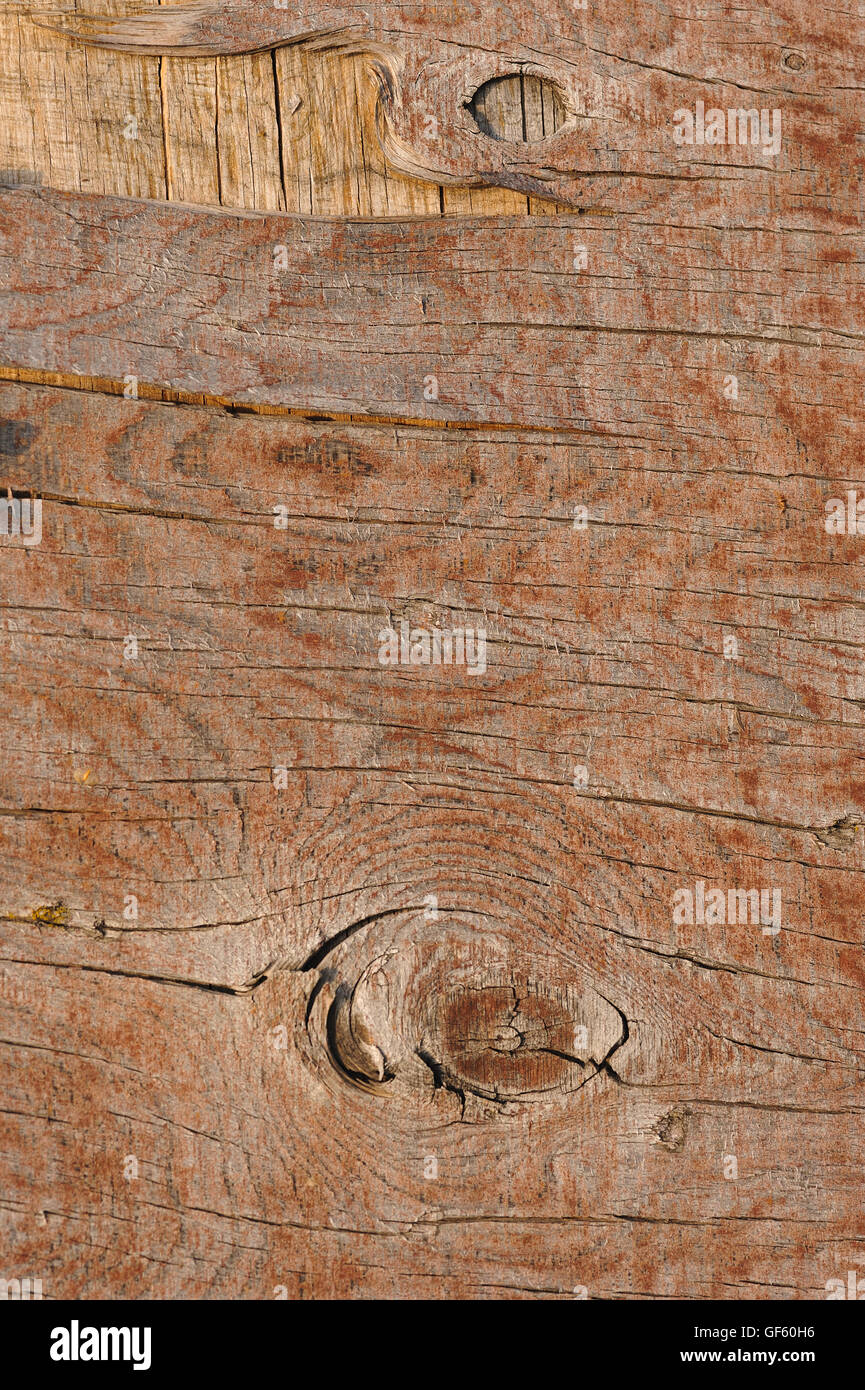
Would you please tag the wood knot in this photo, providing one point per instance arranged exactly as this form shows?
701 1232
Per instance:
453 1015
510 1038
672 1128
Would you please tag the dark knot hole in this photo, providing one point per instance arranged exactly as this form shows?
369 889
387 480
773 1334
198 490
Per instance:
519 107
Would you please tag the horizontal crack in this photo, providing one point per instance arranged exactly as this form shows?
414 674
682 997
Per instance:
108 386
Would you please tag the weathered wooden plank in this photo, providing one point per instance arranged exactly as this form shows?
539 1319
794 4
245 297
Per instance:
327 971
726 344
798 62
231 1167
78 118
501 109
222 132
260 783
188 87
292 130
332 158
248 135
626 143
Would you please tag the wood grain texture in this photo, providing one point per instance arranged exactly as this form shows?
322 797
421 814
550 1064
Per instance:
324 974
491 319
396 944
309 142
779 91
77 117
289 130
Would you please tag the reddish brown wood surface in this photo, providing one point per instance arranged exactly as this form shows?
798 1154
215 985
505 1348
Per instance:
263 1165
323 976
635 346
259 650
